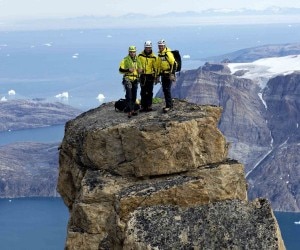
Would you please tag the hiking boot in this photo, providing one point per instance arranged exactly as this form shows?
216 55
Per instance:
166 110
149 109
129 115
134 113
143 110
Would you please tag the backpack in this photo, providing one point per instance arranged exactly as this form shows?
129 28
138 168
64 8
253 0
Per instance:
177 58
121 106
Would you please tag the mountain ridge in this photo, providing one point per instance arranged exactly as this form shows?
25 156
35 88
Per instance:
29 169
257 52
188 18
23 114
260 120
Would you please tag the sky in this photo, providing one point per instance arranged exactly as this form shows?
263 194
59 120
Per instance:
36 9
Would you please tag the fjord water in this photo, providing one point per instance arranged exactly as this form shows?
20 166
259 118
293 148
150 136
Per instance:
289 224
43 135
84 63
33 224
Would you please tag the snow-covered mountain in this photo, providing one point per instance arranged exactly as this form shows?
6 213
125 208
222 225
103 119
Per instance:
255 53
260 71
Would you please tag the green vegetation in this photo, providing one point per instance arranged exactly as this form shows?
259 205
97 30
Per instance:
156 100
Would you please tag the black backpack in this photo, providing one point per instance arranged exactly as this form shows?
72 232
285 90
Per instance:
177 58
121 106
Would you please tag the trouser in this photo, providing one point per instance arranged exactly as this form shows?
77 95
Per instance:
166 85
131 92
146 82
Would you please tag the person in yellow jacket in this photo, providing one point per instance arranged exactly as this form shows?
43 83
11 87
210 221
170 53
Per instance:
131 68
148 76
166 66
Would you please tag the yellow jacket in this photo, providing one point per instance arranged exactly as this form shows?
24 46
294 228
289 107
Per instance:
127 63
166 63
149 63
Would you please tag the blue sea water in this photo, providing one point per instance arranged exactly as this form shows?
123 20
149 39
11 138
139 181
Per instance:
289 224
84 63
46 135
33 224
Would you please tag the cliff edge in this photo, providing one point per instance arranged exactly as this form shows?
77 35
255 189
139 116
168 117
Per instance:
158 181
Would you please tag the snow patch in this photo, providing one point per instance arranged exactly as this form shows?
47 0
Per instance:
263 101
260 71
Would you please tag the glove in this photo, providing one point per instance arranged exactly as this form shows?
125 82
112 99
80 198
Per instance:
172 77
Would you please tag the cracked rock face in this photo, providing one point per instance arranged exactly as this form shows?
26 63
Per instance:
221 225
116 173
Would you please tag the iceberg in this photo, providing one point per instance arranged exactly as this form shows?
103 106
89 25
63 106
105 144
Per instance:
100 97
11 92
63 95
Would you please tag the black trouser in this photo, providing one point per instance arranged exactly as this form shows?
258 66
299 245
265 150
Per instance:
131 91
166 85
146 82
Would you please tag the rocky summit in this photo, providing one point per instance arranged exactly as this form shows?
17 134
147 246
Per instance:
158 181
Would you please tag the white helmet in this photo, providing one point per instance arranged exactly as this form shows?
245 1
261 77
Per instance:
148 44
161 42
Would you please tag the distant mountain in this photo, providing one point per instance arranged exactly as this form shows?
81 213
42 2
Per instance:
260 119
233 12
255 53
28 169
24 114
188 18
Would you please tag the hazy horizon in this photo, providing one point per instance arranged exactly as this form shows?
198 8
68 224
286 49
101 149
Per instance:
70 14
32 9
170 19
